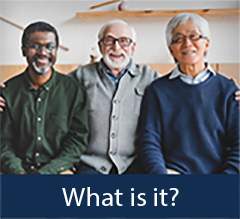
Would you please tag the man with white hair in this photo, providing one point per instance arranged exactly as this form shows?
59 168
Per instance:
115 86
189 120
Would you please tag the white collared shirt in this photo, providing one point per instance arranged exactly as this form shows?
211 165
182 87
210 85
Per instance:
202 76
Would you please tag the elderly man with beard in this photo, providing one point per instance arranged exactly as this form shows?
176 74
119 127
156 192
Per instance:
115 87
44 126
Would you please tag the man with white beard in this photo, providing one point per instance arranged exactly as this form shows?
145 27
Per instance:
115 86
44 127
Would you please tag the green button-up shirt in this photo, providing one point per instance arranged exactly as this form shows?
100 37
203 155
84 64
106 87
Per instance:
44 129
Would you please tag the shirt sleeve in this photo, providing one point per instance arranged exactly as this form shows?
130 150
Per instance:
232 158
10 162
75 142
150 134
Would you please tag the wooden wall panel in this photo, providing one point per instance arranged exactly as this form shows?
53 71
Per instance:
8 71
227 69
230 69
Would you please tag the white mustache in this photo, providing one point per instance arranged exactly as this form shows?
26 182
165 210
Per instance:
118 52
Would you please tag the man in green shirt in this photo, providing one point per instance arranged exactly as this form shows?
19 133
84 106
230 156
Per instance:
44 126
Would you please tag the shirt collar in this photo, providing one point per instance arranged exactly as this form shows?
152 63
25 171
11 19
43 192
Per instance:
45 86
106 69
176 72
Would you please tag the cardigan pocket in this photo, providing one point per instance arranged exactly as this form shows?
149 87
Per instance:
138 100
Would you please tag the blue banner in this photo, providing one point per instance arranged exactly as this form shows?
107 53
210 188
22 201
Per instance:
120 196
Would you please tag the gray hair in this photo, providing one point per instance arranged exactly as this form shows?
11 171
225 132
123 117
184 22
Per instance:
117 21
199 21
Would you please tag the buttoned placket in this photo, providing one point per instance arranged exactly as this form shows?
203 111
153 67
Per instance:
115 120
39 121
108 88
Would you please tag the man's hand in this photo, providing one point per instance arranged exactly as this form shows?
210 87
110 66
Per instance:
2 85
2 101
66 172
237 94
237 97
21 173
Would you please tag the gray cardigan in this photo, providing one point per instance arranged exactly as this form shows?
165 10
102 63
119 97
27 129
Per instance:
113 114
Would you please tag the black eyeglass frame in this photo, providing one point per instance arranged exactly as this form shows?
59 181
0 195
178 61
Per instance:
38 47
118 40
184 39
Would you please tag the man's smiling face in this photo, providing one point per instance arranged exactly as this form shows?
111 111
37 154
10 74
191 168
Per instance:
41 51
116 56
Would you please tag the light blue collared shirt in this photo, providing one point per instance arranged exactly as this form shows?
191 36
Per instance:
202 76
113 78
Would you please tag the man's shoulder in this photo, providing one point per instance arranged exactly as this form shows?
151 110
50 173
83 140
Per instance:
83 71
13 85
222 78
224 82
68 82
14 80
161 80
144 73
143 69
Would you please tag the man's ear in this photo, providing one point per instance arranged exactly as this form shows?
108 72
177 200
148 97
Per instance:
207 45
171 51
100 47
133 48
24 52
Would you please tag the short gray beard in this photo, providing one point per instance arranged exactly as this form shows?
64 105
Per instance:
112 64
41 71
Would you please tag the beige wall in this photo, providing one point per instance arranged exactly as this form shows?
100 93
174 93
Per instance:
80 35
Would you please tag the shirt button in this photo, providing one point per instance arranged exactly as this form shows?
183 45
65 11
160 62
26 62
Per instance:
39 119
103 168
116 101
39 138
37 154
39 99
38 164
114 117
112 152
32 167
113 135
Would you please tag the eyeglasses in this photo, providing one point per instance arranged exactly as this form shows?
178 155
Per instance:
192 37
48 48
110 41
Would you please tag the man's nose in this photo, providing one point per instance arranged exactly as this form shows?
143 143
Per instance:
187 41
42 50
116 44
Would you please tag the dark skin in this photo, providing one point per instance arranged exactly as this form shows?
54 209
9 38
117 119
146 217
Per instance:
40 64
42 58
